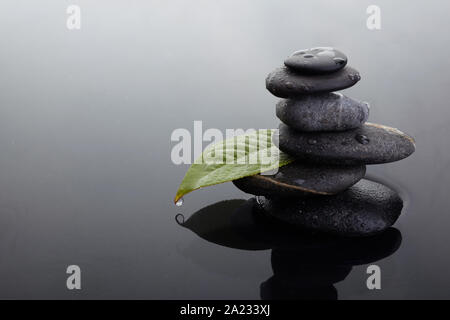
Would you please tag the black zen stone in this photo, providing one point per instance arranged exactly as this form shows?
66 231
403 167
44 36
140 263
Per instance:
370 144
285 83
322 112
367 208
316 60
301 179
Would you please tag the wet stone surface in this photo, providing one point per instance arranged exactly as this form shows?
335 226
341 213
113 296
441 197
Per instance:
301 179
370 144
285 83
322 112
367 208
316 60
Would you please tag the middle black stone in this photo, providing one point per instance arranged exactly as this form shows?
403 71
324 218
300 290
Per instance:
322 112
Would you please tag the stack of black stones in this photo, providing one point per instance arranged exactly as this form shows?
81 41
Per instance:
327 133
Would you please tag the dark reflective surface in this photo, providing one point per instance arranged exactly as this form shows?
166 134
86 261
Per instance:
86 117
305 265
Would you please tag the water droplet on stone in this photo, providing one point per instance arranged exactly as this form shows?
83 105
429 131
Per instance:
362 139
259 200
179 203
339 60
312 141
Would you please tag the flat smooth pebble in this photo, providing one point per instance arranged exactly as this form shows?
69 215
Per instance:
323 112
367 208
316 60
301 179
370 144
285 83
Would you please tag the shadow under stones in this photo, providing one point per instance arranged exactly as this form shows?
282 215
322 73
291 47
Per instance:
306 265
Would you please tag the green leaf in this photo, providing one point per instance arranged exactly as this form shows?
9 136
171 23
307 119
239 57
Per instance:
232 159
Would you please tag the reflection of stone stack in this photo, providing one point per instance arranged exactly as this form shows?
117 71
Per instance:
327 134
305 265
310 272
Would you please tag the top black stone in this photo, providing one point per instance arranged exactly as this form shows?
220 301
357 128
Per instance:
318 60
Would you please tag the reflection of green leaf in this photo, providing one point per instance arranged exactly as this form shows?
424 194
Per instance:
233 158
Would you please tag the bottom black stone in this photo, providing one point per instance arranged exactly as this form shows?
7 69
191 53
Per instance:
364 209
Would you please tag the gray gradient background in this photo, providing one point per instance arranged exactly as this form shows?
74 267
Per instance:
86 118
